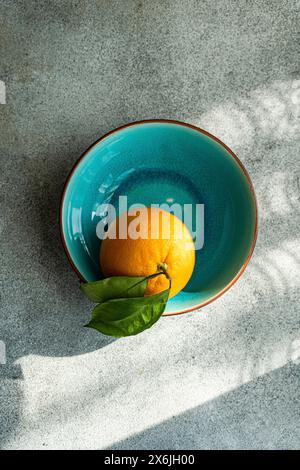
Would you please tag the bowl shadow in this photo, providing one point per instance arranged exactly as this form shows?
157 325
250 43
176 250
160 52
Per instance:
54 327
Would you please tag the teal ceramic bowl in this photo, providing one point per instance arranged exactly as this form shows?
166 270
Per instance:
159 161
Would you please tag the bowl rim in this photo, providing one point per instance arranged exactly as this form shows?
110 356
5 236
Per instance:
201 131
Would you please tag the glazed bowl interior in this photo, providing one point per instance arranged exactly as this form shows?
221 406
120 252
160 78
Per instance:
156 162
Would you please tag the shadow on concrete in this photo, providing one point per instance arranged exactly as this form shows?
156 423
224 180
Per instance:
44 295
257 415
11 399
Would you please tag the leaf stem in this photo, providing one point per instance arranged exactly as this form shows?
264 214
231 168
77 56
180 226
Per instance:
164 267
152 276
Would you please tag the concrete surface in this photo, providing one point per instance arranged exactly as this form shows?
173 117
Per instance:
224 377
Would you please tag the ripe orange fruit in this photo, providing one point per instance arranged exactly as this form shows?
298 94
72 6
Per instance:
146 242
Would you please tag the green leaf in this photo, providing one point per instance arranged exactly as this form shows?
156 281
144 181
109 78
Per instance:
130 316
114 288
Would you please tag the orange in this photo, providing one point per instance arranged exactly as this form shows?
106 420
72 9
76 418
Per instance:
145 242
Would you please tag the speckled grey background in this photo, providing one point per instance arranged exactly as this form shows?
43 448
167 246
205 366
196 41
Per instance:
224 377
